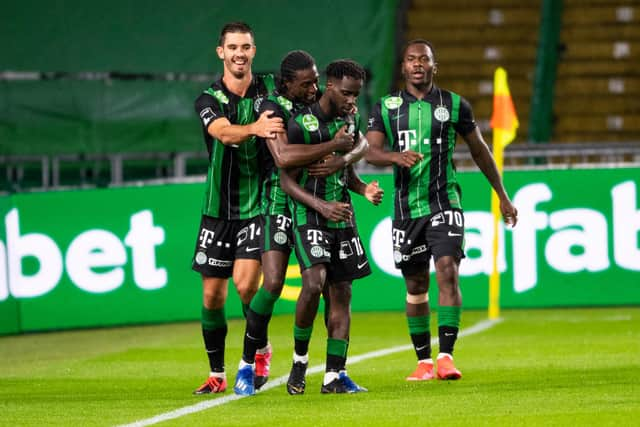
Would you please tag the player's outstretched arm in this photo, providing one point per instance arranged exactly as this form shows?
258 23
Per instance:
265 127
484 159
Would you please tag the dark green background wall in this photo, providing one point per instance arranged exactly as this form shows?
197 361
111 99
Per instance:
108 115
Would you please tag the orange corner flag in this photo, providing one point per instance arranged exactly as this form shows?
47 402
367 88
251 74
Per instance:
503 120
504 123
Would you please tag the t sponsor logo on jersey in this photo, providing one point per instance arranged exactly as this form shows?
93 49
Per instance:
207 115
441 114
314 237
310 122
406 138
398 236
393 102
285 102
220 96
206 237
283 222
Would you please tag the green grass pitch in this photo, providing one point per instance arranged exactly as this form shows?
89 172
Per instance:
536 367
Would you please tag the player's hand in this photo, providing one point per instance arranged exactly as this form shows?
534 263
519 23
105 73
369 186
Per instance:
373 193
327 166
509 212
335 211
342 140
267 127
408 158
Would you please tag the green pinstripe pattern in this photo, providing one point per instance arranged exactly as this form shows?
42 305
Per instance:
306 263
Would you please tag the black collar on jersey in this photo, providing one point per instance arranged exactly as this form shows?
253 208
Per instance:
252 91
433 95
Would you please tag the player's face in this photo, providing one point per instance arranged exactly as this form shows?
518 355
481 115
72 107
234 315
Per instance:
418 66
344 94
237 53
304 86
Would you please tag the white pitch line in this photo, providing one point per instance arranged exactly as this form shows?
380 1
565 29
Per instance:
198 407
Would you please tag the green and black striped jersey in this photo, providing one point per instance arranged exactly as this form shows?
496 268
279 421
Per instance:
311 126
233 178
274 199
428 126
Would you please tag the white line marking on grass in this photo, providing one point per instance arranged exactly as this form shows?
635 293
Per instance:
191 409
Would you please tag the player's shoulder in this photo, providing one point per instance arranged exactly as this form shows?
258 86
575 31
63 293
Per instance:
265 83
454 96
457 100
305 119
391 101
215 92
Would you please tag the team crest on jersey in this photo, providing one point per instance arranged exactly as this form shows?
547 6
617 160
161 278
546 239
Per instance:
201 258
285 102
280 238
441 114
220 96
393 102
317 251
310 122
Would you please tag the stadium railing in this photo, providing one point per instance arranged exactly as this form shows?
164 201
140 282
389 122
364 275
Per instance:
22 173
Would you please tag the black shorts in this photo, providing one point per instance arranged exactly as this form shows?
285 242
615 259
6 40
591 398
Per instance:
277 233
220 242
416 240
339 248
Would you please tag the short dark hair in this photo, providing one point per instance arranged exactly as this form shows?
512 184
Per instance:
234 27
345 68
419 41
294 61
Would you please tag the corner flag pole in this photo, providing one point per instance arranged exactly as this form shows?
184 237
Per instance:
504 123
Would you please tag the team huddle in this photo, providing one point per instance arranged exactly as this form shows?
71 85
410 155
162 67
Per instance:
279 180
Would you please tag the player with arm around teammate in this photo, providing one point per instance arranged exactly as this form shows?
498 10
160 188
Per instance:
327 243
228 238
297 87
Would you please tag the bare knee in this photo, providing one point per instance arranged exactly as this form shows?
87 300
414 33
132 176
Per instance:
313 280
214 292
273 281
246 278
417 284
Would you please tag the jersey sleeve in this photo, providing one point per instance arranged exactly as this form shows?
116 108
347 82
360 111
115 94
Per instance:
466 122
208 109
268 104
375 119
295 134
